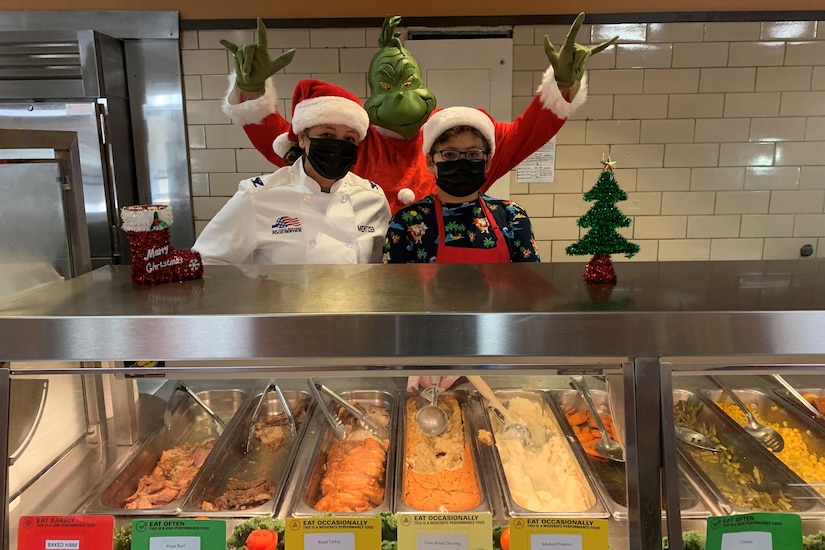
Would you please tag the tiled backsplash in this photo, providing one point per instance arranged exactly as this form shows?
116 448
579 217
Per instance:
718 130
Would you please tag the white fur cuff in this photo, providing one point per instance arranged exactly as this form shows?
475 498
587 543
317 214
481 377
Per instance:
251 111
551 98
141 217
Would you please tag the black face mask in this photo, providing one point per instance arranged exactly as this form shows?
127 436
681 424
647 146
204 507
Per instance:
332 158
460 177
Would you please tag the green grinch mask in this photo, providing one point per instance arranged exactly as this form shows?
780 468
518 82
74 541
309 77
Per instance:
399 100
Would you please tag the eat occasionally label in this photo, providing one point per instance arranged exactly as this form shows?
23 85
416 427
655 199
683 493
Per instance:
338 533
445 531
65 532
558 533
757 531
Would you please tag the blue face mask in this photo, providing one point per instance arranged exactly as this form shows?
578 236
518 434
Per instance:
460 177
332 158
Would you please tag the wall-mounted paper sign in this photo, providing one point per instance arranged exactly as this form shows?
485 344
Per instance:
540 166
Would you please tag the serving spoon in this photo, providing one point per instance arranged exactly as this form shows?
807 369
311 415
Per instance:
605 446
512 428
766 435
696 439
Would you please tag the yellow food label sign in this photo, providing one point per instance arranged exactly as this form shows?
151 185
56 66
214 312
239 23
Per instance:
558 534
449 531
338 533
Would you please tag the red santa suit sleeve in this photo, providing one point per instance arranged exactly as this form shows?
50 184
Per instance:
542 120
398 164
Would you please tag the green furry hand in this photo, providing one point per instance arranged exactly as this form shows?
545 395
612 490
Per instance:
568 62
252 63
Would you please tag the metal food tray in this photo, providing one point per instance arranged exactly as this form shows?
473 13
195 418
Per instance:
750 453
190 424
471 411
610 476
771 410
549 410
306 486
788 398
259 462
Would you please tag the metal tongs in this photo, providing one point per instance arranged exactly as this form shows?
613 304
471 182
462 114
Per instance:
334 421
369 423
220 425
284 407
804 403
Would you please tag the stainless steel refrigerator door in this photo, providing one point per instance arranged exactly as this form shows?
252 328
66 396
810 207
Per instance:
33 224
80 117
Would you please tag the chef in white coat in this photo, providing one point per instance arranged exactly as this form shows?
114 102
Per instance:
314 211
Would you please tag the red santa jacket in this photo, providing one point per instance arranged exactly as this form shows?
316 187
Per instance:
397 164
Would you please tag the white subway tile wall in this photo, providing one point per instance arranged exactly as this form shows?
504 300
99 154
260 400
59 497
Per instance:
718 130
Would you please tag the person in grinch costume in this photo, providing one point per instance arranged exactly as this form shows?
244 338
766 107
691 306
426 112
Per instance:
399 104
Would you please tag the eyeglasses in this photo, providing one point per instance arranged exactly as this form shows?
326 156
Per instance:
451 155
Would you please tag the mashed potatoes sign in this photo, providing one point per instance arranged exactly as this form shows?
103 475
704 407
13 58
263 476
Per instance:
558 534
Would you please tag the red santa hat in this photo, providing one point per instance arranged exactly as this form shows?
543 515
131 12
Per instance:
443 119
317 102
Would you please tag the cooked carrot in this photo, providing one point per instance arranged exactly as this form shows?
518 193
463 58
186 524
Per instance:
577 418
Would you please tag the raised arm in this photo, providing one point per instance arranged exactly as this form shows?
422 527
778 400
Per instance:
252 97
562 91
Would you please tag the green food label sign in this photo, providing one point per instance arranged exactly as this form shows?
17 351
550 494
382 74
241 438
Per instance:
758 531
178 534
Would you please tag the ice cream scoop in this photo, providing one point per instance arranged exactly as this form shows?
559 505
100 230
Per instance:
431 418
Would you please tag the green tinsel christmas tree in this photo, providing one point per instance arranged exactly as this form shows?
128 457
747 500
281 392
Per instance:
603 219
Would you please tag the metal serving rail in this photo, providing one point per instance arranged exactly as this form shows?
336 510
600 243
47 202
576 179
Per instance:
408 319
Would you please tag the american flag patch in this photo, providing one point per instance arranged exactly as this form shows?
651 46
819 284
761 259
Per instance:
286 221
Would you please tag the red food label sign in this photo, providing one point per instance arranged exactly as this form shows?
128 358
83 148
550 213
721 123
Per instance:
65 532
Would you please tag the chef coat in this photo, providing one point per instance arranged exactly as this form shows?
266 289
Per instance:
285 218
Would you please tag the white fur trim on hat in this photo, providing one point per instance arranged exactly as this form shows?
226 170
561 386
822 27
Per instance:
251 111
282 144
450 117
551 98
405 196
141 217
330 110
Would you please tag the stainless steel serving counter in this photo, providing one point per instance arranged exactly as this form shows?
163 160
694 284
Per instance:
400 314
376 320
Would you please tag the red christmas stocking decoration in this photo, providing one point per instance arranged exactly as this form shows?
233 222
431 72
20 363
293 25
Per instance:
154 260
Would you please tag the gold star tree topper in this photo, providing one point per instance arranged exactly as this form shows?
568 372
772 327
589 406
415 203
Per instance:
608 164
